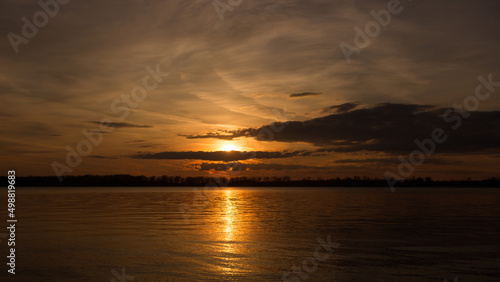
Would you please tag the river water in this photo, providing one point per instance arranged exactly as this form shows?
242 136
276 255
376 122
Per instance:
256 234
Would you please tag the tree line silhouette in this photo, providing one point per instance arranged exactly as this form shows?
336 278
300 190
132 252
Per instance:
126 180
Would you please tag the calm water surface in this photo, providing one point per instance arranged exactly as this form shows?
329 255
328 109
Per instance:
256 234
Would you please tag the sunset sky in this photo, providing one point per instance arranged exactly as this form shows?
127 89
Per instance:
266 61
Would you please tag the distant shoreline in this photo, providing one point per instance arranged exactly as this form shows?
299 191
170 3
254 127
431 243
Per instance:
177 181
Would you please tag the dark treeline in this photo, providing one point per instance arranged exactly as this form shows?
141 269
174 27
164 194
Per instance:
125 180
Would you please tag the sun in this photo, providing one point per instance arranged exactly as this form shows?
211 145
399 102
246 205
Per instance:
229 147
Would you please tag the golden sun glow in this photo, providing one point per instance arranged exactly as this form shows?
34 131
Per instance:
229 147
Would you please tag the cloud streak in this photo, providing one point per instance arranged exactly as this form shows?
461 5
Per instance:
121 124
256 167
388 128
219 155
303 94
341 108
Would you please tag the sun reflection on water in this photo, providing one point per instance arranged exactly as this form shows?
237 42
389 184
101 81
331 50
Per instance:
231 233
229 219
229 216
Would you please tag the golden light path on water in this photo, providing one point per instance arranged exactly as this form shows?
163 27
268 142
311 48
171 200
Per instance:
229 229
229 216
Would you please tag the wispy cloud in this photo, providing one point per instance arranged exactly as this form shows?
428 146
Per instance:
303 94
135 141
219 155
391 161
120 124
386 128
341 108
105 157
256 167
